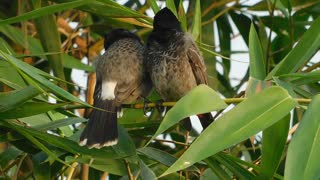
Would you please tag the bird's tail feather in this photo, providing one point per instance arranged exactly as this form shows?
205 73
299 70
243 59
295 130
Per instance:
101 129
205 119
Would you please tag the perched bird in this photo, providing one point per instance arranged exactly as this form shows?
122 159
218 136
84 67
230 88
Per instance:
174 62
120 78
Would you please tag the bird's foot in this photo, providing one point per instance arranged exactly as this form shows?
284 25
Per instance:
146 108
162 109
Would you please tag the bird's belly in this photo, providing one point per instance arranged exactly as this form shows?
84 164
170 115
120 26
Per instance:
172 84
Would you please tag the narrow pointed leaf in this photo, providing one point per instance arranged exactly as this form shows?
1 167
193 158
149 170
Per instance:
154 6
238 124
303 153
199 100
170 4
257 60
274 140
182 16
308 45
50 9
196 25
31 72
13 99
29 109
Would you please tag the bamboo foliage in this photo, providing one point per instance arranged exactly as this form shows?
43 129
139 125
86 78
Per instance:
43 109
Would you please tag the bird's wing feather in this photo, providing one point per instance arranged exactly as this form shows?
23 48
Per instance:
197 64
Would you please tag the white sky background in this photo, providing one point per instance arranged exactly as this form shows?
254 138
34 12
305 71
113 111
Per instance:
238 69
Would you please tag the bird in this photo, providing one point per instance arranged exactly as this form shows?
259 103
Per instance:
174 62
120 78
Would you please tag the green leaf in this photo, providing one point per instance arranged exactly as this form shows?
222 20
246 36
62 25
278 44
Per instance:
8 155
308 45
59 123
209 175
162 157
31 72
199 100
41 169
218 171
303 78
303 152
10 76
182 16
274 140
113 166
257 60
64 143
225 34
154 6
5 47
158 155
49 36
50 9
234 167
73 63
170 5
146 172
35 141
196 25
13 99
243 25
254 86
29 109
125 146
243 121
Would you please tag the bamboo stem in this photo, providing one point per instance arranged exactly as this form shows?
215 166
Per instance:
170 104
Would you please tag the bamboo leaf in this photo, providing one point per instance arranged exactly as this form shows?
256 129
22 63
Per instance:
197 101
274 141
303 153
243 121
170 5
154 6
12 99
308 45
50 9
257 60
31 72
196 25
29 109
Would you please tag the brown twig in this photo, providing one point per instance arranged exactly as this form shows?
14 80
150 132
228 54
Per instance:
130 175
314 66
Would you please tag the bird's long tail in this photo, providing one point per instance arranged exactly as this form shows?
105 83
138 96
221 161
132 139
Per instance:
101 129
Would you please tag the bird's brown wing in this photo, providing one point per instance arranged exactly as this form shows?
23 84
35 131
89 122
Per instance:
128 92
197 64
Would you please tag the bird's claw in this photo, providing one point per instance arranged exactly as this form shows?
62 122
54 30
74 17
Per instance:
160 107
146 109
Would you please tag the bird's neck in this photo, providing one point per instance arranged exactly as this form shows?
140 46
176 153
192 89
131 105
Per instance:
165 37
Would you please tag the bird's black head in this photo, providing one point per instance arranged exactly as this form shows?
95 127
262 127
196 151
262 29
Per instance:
117 34
165 20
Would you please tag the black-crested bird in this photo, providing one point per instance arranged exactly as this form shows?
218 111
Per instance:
174 62
120 78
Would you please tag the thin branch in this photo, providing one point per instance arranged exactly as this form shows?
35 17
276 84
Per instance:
15 176
85 172
215 5
170 104
314 66
130 175
71 171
